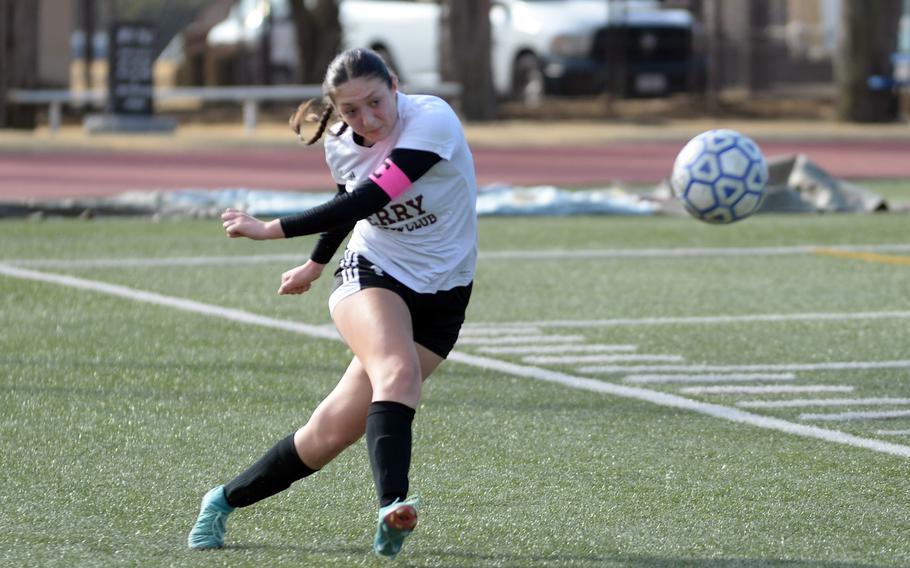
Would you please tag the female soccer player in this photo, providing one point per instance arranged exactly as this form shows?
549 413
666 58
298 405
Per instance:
406 186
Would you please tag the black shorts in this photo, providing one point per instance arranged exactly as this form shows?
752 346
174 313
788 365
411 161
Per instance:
436 317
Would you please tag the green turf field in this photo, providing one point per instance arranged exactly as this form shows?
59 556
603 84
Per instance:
118 411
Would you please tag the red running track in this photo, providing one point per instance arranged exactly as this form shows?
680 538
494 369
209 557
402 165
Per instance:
98 173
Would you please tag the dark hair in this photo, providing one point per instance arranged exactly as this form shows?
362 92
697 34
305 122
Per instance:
350 64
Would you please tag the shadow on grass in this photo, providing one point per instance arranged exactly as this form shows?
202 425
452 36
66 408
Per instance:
608 560
321 551
450 558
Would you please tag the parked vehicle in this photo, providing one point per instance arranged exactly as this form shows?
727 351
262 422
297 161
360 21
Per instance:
566 47
407 33
579 47
563 47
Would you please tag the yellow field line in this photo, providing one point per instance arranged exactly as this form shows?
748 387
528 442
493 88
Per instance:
865 256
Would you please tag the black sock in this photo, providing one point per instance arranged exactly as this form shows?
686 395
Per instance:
273 473
389 444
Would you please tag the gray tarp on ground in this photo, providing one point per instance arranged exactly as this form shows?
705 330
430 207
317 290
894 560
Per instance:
796 186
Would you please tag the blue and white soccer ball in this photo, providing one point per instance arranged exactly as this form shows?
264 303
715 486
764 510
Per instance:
720 176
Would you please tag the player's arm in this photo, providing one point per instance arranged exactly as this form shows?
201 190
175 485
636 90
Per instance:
401 169
299 279
330 240
397 173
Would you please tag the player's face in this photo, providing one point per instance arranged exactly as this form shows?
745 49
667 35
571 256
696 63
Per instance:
368 106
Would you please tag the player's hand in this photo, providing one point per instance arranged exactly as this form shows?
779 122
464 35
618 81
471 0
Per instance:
298 280
239 224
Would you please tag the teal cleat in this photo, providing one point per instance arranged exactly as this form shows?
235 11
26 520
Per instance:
208 532
396 521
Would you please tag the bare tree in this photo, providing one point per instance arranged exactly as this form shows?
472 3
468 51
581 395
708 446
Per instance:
5 11
869 37
469 33
18 58
318 37
710 12
88 15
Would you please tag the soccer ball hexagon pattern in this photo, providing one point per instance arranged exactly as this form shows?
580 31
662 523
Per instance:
720 176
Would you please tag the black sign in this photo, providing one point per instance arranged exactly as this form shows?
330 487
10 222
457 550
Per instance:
131 56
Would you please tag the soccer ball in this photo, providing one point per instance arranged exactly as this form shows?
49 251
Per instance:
720 176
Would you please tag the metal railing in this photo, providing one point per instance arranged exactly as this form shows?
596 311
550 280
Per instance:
248 96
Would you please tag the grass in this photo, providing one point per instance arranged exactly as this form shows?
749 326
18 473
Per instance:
117 415
894 191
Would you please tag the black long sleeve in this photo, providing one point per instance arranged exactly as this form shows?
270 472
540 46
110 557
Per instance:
348 208
330 240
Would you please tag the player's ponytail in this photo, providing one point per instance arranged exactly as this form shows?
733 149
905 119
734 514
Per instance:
349 64
304 114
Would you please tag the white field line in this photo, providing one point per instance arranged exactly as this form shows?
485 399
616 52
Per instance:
547 254
468 331
674 401
893 432
771 368
849 416
769 389
536 373
577 359
708 378
156 262
682 252
521 339
586 348
617 322
169 301
716 320
801 402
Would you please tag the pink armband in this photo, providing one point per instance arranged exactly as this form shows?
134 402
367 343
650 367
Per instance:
391 179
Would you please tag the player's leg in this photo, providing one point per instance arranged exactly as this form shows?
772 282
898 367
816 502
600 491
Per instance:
340 419
343 415
272 473
338 422
396 520
376 323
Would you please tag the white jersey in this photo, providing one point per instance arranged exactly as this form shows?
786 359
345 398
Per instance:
426 238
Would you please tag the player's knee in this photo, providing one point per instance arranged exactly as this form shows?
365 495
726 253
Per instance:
329 432
336 441
397 379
